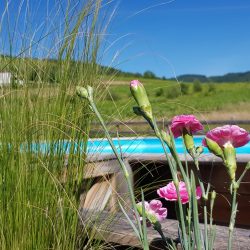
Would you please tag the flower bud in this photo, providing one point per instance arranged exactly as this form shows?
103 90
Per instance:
189 142
214 148
154 212
82 92
150 216
139 93
90 92
230 159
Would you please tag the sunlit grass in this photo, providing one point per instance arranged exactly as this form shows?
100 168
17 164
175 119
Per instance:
224 97
38 206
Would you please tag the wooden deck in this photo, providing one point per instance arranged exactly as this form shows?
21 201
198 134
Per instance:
114 228
109 186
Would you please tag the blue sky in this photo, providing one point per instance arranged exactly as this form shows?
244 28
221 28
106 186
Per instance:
179 37
170 38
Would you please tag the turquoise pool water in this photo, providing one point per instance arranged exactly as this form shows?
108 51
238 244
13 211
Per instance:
147 145
143 145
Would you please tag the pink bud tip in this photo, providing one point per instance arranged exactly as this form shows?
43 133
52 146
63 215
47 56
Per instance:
134 83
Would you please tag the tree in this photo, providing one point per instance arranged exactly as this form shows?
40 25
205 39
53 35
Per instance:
149 74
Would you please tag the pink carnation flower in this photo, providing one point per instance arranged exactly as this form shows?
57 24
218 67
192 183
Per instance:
232 134
169 192
188 122
154 211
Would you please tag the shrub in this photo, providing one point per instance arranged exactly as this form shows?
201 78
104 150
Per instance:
211 87
159 92
184 88
197 87
173 92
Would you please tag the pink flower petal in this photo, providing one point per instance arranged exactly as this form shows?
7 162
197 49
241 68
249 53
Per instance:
169 192
198 193
155 205
154 208
237 136
188 122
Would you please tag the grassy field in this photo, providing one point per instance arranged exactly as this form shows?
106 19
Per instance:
224 101
221 101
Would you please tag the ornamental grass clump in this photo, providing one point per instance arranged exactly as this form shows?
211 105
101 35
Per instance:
187 186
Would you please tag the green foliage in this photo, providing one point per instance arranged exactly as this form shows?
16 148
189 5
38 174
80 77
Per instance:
149 74
211 87
159 92
192 78
230 77
39 197
112 96
197 87
184 88
173 92
225 95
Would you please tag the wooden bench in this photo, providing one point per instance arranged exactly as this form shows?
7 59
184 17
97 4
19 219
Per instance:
114 228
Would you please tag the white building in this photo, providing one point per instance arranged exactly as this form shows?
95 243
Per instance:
6 78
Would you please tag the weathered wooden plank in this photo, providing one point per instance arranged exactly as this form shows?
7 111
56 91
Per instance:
115 228
95 169
98 195
108 186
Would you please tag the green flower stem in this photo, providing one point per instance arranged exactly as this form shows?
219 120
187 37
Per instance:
204 192
197 230
211 227
124 169
205 198
234 205
189 217
144 217
158 228
176 158
234 188
242 175
176 182
205 225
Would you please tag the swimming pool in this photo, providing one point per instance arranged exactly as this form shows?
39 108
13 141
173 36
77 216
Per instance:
140 145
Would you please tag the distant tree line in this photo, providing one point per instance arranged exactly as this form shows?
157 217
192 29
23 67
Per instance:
51 70
230 77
